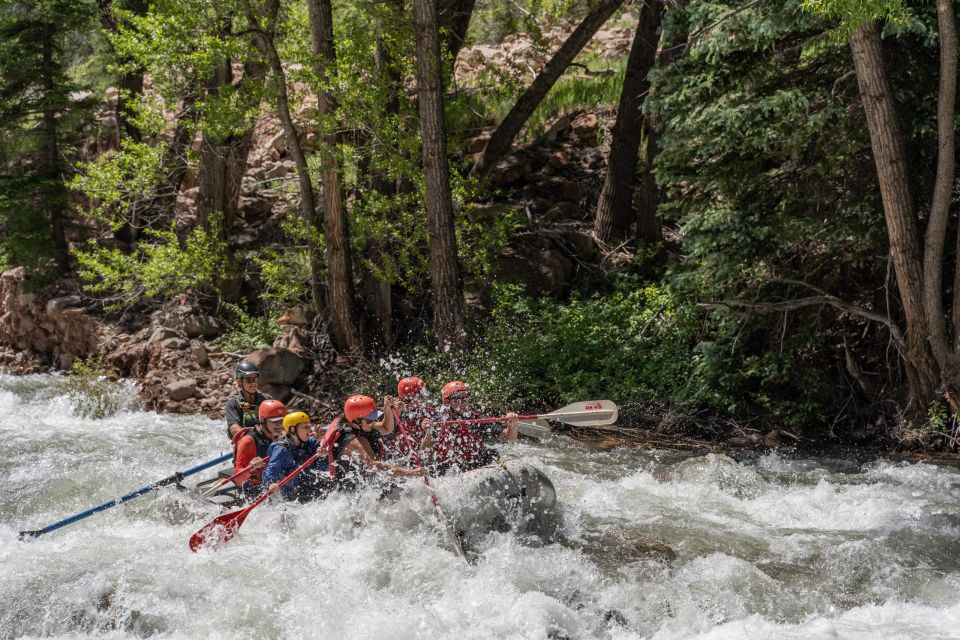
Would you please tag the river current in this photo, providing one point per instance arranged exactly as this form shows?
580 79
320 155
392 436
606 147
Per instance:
653 544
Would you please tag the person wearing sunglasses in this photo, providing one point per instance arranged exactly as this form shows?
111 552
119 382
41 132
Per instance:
462 446
353 443
242 409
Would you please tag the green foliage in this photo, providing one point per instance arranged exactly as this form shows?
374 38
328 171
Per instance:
118 183
633 342
248 332
938 417
161 267
25 236
92 388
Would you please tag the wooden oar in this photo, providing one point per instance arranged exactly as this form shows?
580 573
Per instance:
177 477
457 543
223 528
590 413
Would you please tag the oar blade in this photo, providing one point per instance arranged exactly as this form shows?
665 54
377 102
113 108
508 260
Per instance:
27 535
219 530
590 413
538 429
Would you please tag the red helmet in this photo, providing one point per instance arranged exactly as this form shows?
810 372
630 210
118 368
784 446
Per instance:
456 389
272 409
410 386
361 407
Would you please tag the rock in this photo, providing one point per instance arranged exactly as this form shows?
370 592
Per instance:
559 160
63 302
562 211
278 143
277 365
181 389
199 353
161 334
279 392
293 338
510 170
252 207
173 344
478 143
574 190
280 170
298 316
112 95
583 244
584 127
200 325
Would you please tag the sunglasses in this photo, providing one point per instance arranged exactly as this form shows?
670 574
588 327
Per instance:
250 378
459 395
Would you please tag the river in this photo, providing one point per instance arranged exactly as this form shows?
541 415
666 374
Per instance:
653 544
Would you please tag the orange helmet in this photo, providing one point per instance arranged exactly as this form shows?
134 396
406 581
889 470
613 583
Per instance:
410 386
453 391
361 407
272 409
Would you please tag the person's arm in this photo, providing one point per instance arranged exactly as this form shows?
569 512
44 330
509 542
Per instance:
246 454
280 465
385 426
360 449
509 433
234 418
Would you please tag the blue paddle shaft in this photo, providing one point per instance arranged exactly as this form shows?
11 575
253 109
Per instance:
130 496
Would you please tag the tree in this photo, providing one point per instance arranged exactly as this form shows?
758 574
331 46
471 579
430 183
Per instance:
615 207
444 267
340 292
931 358
503 136
262 22
35 106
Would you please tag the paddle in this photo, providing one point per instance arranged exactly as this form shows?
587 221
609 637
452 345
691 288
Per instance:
223 528
590 413
244 473
457 544
177 477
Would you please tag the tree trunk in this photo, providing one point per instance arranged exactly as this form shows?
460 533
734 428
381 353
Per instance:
615 207
454 17
502 138
648 192
444 268
211 196
890 158
54 201
308 209
340 292
130 82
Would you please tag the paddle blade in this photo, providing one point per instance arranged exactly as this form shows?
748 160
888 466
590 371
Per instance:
590 413
26 535
539 429
219 530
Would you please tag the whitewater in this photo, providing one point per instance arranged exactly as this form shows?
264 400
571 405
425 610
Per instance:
653 544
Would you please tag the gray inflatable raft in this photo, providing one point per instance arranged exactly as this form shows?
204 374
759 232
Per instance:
508 496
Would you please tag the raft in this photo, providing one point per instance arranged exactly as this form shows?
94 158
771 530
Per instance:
503 497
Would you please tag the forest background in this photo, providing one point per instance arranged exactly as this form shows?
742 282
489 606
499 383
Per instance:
743 218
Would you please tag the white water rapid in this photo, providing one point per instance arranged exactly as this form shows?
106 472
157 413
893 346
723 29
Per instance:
772 548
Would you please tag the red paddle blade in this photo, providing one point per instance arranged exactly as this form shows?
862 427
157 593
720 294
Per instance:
219 530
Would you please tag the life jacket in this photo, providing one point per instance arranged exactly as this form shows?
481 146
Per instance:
262 444
338 435
459 444
410 422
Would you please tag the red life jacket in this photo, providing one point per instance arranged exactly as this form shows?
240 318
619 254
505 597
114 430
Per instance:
337 437
263 446
458 444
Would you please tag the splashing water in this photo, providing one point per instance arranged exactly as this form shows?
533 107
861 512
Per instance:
653 545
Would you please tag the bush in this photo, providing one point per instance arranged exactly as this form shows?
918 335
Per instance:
92 389
248 332
636 341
